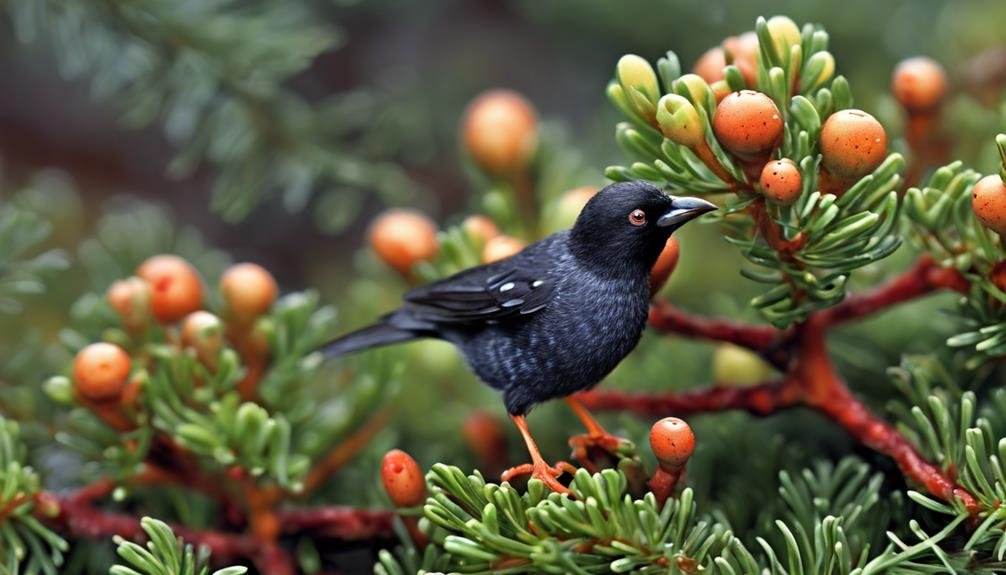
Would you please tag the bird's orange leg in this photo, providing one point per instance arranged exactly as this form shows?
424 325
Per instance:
596 435
538 468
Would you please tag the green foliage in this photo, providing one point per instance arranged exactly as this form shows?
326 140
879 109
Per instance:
829 520
492 528
26 545
215 75
944 225
22 266
164 554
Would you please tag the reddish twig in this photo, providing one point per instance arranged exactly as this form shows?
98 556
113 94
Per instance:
79 517
762 339
761 399
925 277
345 523
812 379
827 393
342 453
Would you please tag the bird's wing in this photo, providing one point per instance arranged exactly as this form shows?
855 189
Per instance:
483 294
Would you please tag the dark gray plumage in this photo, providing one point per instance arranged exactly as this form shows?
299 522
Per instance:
557 317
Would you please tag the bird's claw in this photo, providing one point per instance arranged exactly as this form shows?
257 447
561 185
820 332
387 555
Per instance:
582 444
544 473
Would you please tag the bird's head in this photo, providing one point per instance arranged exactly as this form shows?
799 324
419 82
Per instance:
629 223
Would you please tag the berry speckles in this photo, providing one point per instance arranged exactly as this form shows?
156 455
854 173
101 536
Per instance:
175 287
853 143
781 181
403 479
748 124
988 201
672 442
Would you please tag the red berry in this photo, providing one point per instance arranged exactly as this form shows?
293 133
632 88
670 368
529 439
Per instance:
203 332
101 370
403 479
853 143
988 201
500 131
744 50
665 265
710 65
481 228
403 238
130 298
485 437
175 287
998 275
501 247
249 291
748 124
672 441
720 90
781 182
919 84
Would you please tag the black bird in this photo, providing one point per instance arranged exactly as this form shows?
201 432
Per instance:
555 318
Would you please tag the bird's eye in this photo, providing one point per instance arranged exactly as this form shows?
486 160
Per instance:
637 217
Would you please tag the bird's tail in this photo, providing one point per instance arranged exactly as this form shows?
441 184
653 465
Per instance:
372 336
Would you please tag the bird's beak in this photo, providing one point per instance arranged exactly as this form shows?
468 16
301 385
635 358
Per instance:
683 210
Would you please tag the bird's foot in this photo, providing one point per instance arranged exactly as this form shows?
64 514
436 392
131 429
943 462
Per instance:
541 471
583 444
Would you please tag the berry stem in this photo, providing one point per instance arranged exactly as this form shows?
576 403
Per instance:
664 481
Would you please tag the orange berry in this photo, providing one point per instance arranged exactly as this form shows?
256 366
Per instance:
781 181
175 287
720 90
672 441
569 206
988 201
743 50
998 275
403 479
500 131
578 197
101 370
249 291
481 228
666 262
402 238
748 124
853 143
130 298
501 247
919 84
203 332
485 437
710 65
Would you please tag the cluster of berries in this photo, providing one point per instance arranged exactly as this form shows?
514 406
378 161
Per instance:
748 124
168 290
